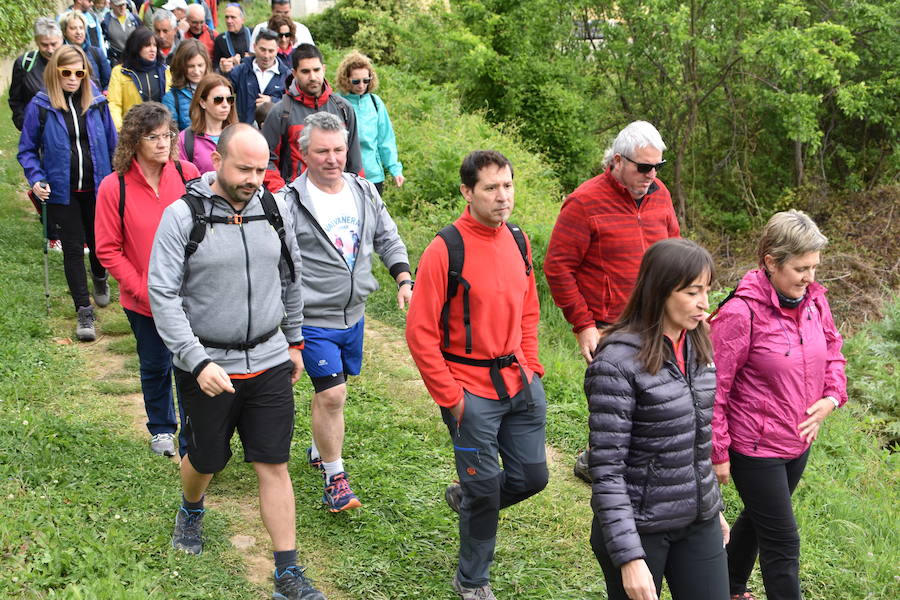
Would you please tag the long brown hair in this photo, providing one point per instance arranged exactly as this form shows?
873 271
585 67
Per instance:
142 119
64 56
668 266
187 50
198 115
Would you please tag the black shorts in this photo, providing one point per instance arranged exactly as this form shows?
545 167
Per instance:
261 408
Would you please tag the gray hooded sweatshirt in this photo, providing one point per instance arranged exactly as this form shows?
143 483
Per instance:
234 288
333 295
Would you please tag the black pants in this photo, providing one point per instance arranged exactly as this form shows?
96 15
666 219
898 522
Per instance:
380 187
73 225
766 525
691 558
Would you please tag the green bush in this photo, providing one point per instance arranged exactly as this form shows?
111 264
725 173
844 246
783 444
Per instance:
16 22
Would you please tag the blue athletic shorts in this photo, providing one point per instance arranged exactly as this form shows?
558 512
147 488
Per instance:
333 352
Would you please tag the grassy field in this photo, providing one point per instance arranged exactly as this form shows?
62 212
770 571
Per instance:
87 510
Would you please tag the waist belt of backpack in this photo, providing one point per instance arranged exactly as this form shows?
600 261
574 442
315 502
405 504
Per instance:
243 346
495 364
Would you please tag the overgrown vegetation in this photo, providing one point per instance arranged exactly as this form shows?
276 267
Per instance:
16 22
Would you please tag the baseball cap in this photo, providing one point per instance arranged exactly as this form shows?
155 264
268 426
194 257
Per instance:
173 4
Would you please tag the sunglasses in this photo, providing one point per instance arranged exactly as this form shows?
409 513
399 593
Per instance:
217 100
67 72
359 81
645 167
285 34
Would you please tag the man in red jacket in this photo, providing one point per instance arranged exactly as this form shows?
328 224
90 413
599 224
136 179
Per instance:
601 234
477 351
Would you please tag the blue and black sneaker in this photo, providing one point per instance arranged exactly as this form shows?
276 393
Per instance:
338 495
315 463
188 531
292 584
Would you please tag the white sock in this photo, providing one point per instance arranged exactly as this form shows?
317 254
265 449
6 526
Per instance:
332 468
314 453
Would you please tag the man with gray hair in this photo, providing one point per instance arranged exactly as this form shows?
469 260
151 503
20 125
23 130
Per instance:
601 234
165 27
340 220
28 69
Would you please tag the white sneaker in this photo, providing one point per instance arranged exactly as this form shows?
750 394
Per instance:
163 444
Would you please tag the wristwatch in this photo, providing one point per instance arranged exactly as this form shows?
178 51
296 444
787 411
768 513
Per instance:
411 283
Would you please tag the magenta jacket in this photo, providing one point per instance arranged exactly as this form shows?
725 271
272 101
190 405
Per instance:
772 366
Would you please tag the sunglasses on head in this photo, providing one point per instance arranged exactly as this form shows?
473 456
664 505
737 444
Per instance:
359 81
68 72
217 100
645 167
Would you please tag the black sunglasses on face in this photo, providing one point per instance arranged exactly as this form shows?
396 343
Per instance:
217 100
359 81
645 167
284 34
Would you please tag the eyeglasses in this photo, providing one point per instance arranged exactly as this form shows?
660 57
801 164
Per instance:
217 100
359 81
645 167
68 72
285 34
155 138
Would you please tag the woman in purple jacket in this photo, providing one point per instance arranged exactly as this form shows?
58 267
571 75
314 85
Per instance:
780 374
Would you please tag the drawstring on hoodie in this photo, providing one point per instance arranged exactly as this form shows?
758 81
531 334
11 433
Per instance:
786 336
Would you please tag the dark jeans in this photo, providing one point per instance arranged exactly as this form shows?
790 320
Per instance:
156 378
691 558
73 225
380 187
766 525
490 430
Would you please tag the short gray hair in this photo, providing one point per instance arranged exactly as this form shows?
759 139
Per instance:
787 234
46 27
638 134
320 120
161 13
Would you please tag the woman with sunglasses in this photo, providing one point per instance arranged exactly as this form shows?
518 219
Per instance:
74 30
780 374
212 110
66 149
143 75
650 390
146 166
285 29
357 81
190 64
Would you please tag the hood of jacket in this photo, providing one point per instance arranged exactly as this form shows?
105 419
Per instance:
756 286
299 95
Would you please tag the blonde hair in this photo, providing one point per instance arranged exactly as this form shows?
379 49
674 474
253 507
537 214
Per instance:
789 233
198 115
64 23
355 60
64 56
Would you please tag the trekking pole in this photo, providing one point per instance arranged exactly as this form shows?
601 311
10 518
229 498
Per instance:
44 220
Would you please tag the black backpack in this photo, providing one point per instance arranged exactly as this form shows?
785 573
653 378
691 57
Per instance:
731 295
122 195
202 220
456 253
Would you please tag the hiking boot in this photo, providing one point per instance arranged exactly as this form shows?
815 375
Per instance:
338 495
581 467
744 596
163 444
101 290
480 593
85 330
453 496
315 463
292 584
188 534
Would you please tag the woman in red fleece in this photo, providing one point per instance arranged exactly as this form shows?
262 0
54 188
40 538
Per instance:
146 170
780 374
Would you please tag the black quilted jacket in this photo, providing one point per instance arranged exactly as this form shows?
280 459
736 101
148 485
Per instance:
650 445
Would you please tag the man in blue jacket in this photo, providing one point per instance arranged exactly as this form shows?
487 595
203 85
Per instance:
259 79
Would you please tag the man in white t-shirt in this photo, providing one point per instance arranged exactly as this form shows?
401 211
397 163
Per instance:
340 220
283 7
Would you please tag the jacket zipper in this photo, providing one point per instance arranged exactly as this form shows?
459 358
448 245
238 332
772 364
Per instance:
689 378
78 144
249 312
651 470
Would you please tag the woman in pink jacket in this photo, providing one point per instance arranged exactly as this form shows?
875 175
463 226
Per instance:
780 374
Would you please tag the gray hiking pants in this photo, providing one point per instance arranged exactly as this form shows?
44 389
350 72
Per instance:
490 430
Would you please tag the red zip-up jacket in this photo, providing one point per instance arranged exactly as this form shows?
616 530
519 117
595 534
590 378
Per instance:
597 244
504 314
127 254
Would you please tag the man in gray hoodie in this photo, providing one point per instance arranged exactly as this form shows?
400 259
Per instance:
340 221
230 308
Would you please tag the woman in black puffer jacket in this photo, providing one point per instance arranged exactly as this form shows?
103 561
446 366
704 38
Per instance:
650 389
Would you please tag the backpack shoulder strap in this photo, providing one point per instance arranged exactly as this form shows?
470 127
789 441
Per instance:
456 254
188 145
273 216
375 102
198 231
122 205
519 236
284 161
180 171
28 60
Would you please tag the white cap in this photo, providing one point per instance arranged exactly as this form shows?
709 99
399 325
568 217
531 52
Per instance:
173 4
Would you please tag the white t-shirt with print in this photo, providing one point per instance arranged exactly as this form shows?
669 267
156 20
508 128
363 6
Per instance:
339 217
